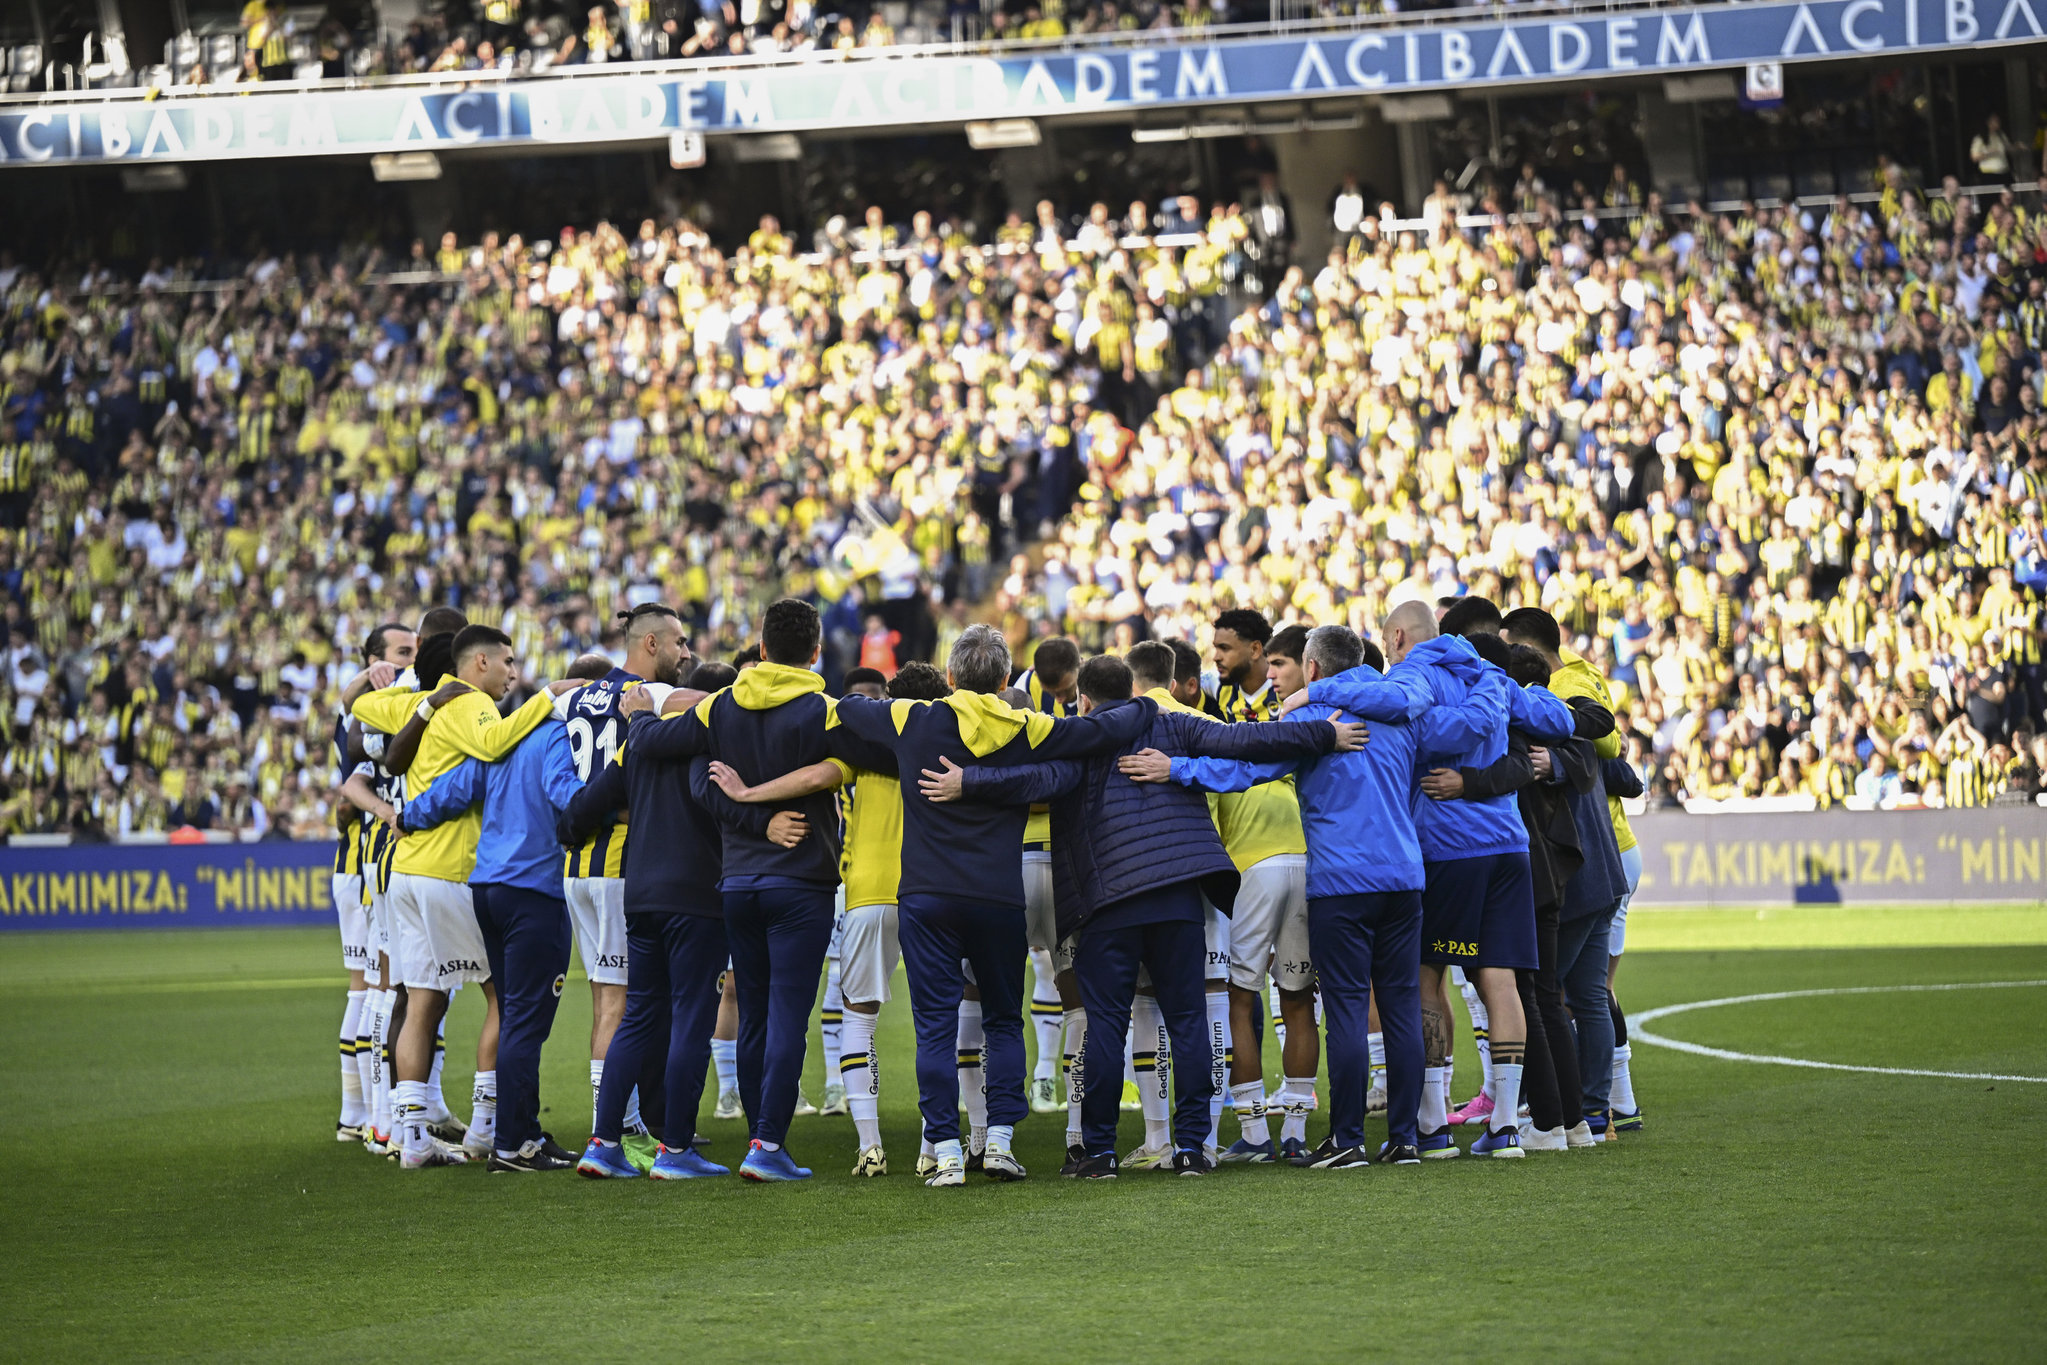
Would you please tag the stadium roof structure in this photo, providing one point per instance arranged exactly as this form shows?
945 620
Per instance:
948 85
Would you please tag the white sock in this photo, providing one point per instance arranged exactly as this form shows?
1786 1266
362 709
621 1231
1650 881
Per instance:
1250 1099
351 1075
1622 1096
1296 1093
409 1116
382 1109
1449 1072
857 1072
1219 1060
831 1021
1075 1030
924 1147
1152 1056
1434 1114
483 1108
437 1103
365 1054
1272 1012
1376 1044
1000 1135
725 1056
1507 1098
948 1150
973 1083
596 1084
1047 1015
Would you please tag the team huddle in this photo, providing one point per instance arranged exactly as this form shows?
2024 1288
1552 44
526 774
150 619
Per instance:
1322 834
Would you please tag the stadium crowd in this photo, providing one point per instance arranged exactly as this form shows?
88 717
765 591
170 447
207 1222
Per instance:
276 41
1779 471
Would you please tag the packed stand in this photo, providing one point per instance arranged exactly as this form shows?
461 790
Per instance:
276 41
204 492
1778 471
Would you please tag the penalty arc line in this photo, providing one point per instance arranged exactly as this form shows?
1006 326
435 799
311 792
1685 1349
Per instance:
1635 1030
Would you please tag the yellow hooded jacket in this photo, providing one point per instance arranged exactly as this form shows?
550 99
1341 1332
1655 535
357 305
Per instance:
1578 678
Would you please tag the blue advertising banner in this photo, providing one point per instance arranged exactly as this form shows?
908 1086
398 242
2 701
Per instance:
782 96
166 886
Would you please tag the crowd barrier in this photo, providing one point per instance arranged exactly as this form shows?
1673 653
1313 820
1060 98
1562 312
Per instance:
1823 858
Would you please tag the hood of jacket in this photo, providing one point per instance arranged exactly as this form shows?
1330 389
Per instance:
987 722
769 685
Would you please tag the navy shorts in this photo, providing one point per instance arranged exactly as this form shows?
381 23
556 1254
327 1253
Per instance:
1479 912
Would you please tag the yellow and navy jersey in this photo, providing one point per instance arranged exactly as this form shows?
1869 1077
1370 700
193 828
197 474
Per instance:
1967 781
596 732
374 843
873 860
348 852
1262 822
380 846
1042 699
1038 829
1233 703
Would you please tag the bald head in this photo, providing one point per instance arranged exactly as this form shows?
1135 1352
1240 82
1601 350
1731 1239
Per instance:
1406 626
590 667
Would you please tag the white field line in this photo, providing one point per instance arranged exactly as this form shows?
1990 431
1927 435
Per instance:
1635 1030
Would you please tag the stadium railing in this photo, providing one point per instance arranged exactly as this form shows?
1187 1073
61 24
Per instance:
151 839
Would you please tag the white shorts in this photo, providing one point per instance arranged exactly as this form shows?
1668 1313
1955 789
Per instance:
1270 929
597 910
355 921
436 944
868 953
378 912
1617 938
1041 919
1219 937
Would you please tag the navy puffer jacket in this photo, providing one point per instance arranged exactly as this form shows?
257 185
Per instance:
1113 838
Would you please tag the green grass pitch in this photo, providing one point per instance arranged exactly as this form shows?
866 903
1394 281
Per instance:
173 1191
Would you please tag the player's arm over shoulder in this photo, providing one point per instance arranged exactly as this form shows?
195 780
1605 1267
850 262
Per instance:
386 710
